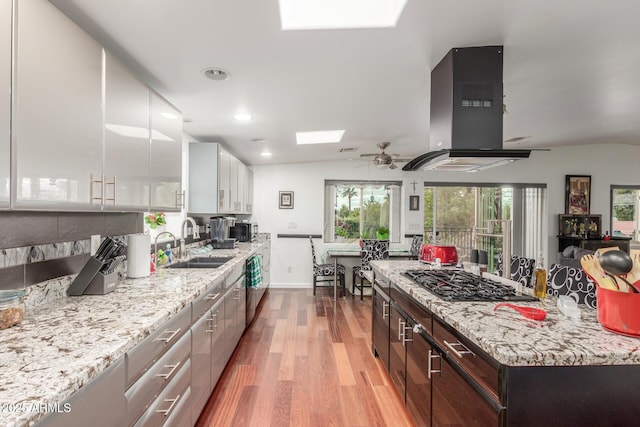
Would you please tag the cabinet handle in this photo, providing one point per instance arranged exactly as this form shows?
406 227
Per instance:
404 334
172 369
212 297
430 364
385 306
115 189
213 317
167 411
237 297
461 353
400 329
170 337
91 184
180 199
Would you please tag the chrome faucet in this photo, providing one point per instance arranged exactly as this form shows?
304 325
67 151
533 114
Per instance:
183 227
155 243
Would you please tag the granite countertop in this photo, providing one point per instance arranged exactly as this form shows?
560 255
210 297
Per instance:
65 343
516 341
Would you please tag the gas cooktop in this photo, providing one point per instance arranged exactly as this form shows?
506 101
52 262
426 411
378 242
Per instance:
458 285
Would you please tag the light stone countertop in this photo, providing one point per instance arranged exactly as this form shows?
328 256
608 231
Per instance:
64 343
514 340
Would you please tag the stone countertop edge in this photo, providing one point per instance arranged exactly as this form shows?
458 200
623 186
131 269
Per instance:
65 343
513 340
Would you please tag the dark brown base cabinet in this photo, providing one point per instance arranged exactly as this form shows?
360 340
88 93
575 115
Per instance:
446 380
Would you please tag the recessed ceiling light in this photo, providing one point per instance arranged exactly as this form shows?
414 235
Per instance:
242 117
319 137
331 14
266 154
169 116
217 74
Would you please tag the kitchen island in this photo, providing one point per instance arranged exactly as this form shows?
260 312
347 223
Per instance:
496 367
65 343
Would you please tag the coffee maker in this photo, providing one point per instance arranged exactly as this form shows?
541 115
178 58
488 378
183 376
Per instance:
219 227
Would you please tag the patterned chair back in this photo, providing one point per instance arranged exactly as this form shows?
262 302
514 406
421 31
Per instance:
574 282
416 242
521 269
313 251
373 250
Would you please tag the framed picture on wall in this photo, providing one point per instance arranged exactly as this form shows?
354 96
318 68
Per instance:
286 200
577 195
414 203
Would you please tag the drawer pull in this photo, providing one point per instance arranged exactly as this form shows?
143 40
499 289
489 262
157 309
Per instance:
458 353
385 307
212 297
429 364
215 326
170 337
400 329
168 374
167 411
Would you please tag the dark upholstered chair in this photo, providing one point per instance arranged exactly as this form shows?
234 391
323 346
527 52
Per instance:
325 273
416 244
574 282
371 250
521 269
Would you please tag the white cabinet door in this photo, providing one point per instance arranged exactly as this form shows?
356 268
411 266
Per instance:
234 205
242 196
57 127
203 177
248 190
166 156
224 165
126 138
5 102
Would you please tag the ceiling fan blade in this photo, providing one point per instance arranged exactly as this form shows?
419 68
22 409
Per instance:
370 155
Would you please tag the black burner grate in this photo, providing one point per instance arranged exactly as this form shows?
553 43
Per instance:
457 285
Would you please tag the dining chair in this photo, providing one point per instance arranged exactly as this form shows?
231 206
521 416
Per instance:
416 243
372 250
521 269
326 272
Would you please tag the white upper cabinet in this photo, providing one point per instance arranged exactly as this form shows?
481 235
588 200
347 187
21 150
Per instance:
57 121
203 177
126 139
5 102
166 156
234 204
224 166
248 191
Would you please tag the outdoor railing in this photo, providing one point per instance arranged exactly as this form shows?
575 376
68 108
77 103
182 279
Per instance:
461 238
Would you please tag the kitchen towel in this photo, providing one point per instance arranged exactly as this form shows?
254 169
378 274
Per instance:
138 255
254 272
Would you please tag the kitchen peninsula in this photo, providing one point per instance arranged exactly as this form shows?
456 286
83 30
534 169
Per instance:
463 362
74 348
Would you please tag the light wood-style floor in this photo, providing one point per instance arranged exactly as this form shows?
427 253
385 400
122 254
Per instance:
306 362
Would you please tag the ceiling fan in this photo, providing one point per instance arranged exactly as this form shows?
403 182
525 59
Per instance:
383 160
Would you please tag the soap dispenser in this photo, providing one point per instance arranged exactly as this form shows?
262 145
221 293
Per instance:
167 252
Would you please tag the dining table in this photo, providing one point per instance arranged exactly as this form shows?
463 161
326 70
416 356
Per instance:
353 252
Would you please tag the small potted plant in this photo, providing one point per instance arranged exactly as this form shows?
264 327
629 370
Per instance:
382 233
155 220
342 234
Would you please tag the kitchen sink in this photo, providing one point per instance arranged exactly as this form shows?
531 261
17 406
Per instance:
201 262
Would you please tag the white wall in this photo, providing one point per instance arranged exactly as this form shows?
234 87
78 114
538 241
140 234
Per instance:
607 164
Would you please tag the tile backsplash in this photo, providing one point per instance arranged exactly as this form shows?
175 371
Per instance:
38 246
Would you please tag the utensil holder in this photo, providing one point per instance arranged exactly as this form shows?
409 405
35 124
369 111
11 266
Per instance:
619 312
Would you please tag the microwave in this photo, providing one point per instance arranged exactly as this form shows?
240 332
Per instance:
244 231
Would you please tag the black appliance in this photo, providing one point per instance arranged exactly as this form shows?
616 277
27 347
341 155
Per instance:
466 113
244 231
459 285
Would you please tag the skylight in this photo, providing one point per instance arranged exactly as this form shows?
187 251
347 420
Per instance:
333 14
319 137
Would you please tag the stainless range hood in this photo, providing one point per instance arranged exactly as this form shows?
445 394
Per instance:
466 114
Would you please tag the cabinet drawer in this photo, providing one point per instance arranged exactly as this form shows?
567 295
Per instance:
413 309
208 298
468 356
142 392
175 394
145 354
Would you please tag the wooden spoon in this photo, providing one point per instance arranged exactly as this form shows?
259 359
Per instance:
634 274
591 266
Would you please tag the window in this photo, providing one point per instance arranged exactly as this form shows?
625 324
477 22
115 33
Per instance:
454 211
362 209
625 218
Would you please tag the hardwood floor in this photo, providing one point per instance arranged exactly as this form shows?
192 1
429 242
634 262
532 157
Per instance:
306 362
